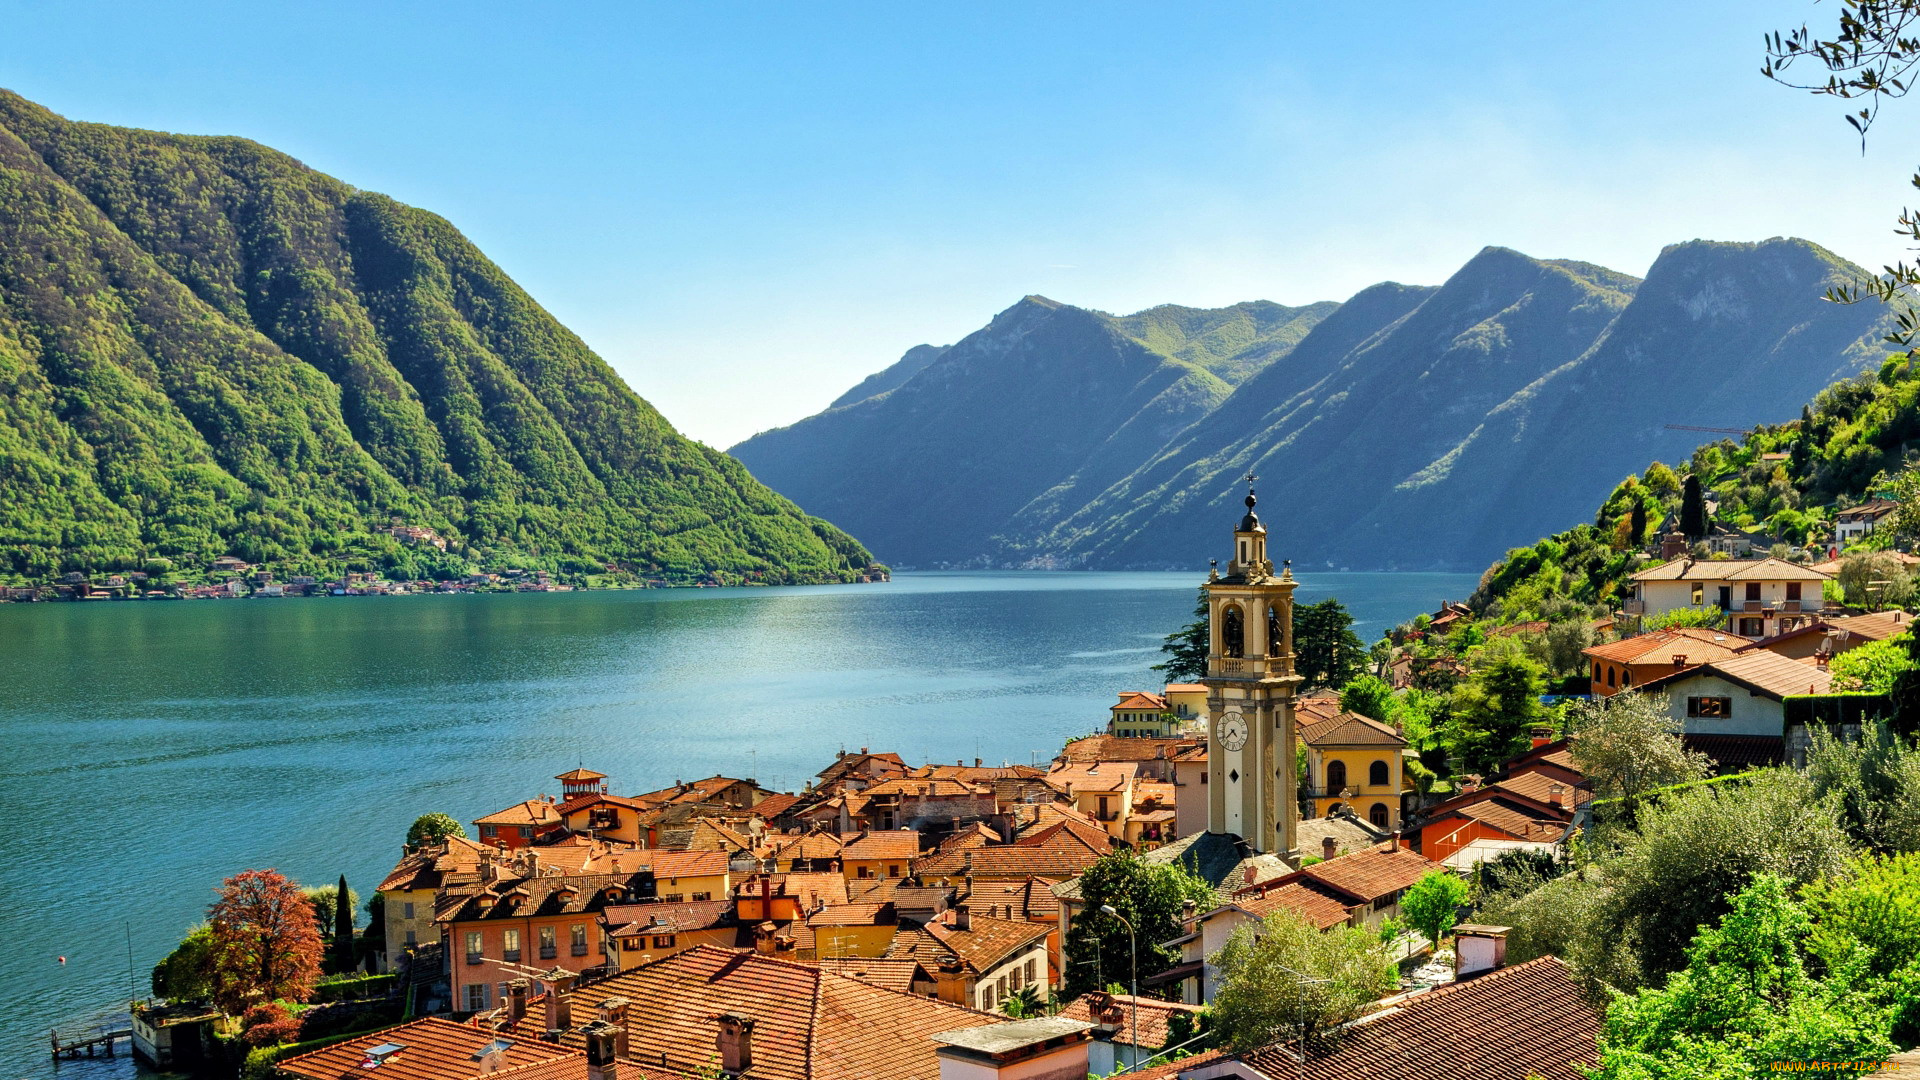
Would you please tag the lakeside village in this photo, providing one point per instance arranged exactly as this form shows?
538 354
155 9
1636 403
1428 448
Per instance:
1248 874
230 577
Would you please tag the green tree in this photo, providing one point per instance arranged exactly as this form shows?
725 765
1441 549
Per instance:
1290 979
1327 652
432 828
1493 710
1432 905
1873 782
343 956
1637 524
1150 895
325 900
1186 648
1877 580
1693 510
1369 696
1874 667
1662 481
187 972
1744 1001
1629 744
1024 1002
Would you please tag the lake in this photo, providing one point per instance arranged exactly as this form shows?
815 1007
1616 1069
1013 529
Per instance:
153 748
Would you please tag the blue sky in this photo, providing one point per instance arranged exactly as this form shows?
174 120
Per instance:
745 208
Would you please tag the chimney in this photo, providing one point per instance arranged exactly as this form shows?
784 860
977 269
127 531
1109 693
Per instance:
1820 660
736 1042
1328 849
516 1001
602 1062
962 918
976 763
1478 949
1679 660
614 1011
1046 1046
863 749
1557 795
559 1006
1249 874
763 938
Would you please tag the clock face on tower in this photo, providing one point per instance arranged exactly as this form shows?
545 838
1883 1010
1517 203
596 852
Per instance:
1232 730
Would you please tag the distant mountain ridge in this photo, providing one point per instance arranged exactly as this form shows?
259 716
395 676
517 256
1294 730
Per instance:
207 348
1411 427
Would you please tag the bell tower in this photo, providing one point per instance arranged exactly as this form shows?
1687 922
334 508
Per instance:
1251 777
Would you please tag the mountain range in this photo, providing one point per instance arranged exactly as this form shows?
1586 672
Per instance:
1410 427
207 349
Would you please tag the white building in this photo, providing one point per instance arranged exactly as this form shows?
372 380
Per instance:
1757 597
1740 695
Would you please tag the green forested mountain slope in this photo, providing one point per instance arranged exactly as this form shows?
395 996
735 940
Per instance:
1418 427
208 348
1045 405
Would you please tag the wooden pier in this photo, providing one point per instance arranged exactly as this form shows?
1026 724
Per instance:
87 1045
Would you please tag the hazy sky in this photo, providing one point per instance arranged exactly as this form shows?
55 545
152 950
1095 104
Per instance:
745 208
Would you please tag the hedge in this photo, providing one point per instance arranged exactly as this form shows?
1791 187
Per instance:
354 987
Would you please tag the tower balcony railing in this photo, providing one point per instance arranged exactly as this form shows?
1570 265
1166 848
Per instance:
1248 666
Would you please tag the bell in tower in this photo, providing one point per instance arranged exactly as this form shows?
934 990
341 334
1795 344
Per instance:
1252 786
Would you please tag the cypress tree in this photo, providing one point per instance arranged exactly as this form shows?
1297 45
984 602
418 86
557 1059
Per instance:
343 928
1693 509
1638 523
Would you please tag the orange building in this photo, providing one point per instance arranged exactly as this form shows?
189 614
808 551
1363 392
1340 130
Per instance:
1630 662
501 930
520 824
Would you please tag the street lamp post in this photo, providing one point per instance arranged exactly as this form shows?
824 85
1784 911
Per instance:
1133 979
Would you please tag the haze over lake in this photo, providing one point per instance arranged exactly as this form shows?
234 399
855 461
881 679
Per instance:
154 748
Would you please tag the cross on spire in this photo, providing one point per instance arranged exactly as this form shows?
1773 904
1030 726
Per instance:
1250 477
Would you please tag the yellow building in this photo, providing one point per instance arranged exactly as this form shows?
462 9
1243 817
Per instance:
1356 762
1141 715
638 934
882 854
854 929
1187 701
1102 790
408 892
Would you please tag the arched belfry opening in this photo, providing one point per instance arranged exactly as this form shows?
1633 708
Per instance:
1233 632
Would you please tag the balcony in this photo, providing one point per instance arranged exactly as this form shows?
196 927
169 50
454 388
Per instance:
579 948
513 956
1252 667
1634 607
475 959
548 952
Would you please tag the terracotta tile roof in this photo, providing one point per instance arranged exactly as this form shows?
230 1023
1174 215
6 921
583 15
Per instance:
809 1023
1116 748
581 775
429 868
530 812
1315 709
1372 873
573 1067
1094 776
1303 896
711 835
809 845
1765 673
665 865
847 763
1559 752
691 792
876 970
852 914
1739 752
980 774
1876 626
901 844
1067 834
1014 862
987 941
912 942
664 917
1028 900
520 898
810 890
1186 688
929 787
1151 1013
1697 644
436 1049
775 805
1526 1020
1520 818
1136 700
873 889
1537 783
1351 729
1030 818
1172 1069
1196 753
1769 569
582 802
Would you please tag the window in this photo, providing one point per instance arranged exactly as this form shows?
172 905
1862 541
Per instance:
1793 590
547 948
407 910
1712 708
663 941
1033 970
526 832
578 932
1699 593
476 996
1610 677
1378 815
630 944
511 940
1753 592
1753 627
486 832
864 872
473 946
673 898
410 938
1336 776
1377 774
701 896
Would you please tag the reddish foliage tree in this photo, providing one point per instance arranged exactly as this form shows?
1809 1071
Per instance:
269 1024
265 942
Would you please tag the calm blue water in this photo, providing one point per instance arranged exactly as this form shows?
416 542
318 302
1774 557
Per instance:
151 749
